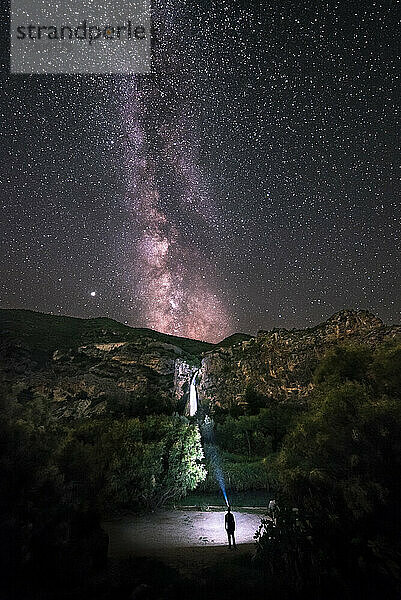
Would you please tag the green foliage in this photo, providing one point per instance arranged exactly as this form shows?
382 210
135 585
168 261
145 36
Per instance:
341 462
32 496
242 436
249 442
247 476
341 445
56 478
239 474
47 333
159 460
237 499
254 400
136 463
259 434
343 363
121 403
287 553
386 369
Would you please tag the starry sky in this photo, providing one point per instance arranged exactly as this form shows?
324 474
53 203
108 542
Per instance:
249 182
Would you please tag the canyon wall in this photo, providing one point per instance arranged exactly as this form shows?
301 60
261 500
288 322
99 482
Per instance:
280 363
91 368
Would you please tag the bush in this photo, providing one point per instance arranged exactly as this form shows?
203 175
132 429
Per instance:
341 464
158 461
53 478
256 435
239 476
287 553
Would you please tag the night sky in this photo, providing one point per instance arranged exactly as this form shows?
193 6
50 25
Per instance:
250 182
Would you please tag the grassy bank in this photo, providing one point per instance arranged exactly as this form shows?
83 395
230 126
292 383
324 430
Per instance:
236 499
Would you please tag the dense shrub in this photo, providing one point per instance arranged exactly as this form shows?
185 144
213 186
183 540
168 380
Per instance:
56 479
256 435
340 466
287 552
156 461
239 475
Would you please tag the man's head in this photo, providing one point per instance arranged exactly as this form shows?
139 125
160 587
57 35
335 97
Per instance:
228 508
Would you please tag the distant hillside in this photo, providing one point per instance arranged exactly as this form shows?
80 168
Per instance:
88 367
235 338
44 332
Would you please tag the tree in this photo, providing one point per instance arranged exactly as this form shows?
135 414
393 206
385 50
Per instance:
31 501
254 400
340 464
343 363
385 369
159 460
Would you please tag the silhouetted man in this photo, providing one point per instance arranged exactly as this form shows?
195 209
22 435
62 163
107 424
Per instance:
229 522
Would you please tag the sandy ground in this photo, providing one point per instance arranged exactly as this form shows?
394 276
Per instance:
184 539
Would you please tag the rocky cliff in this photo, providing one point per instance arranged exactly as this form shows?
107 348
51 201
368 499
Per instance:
280 363
90 367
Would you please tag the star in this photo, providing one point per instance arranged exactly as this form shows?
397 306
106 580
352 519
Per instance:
251 175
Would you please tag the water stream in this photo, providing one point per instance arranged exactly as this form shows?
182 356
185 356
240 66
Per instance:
193 396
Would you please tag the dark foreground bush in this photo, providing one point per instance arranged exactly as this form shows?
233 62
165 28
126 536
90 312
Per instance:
340 467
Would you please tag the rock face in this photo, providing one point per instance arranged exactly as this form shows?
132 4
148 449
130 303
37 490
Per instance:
98 370
87 381
94 367
280 363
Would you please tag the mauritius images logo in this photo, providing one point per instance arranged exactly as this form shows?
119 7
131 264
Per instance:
80 36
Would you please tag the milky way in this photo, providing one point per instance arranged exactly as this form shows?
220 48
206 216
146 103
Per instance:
173 281
175 296
249 182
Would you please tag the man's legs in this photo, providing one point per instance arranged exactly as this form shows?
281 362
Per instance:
229 538
235 547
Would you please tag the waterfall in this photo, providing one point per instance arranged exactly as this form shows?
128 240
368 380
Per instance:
193 396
